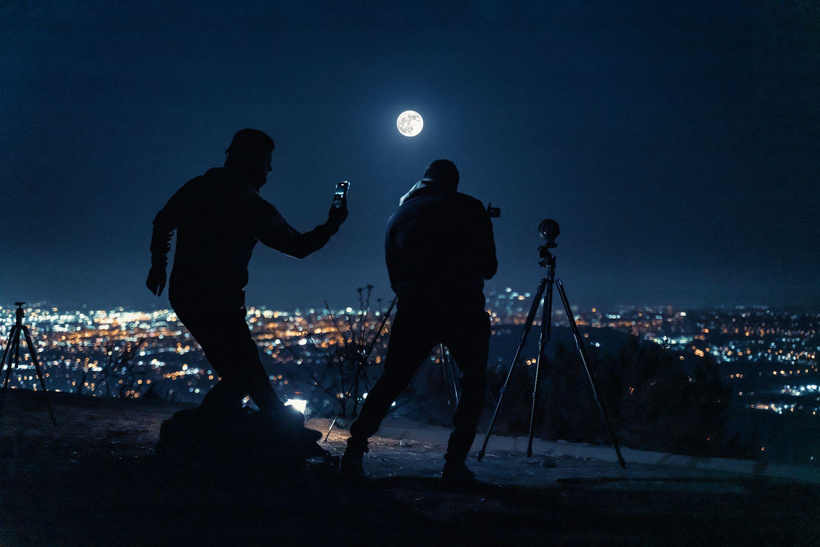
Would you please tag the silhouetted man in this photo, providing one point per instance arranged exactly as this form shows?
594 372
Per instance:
218 218
439 250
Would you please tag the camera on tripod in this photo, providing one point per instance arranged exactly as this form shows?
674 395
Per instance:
549 230
493 212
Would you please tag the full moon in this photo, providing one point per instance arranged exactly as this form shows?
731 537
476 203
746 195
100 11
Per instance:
409 123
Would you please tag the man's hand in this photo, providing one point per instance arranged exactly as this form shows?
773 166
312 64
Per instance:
156 280
336 217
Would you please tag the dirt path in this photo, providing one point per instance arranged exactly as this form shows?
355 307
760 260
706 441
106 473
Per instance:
94 481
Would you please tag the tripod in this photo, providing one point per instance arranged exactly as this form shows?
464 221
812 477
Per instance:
361 359
450 375
13 353
548 261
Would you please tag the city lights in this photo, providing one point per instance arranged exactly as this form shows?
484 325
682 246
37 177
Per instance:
82 351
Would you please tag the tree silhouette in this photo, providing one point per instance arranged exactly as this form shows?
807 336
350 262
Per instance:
121 375
348 360
654 403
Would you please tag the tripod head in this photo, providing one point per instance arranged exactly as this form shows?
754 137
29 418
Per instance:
548 230
20 312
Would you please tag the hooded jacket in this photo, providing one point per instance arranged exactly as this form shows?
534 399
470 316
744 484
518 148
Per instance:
439 245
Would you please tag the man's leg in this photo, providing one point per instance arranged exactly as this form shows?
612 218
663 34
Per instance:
468 340
208 327
226 341
410 342
247 369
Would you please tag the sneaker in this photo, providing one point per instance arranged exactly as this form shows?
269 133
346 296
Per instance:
352 464
457 473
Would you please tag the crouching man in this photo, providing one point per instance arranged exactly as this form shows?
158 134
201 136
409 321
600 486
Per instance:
218 218
439 250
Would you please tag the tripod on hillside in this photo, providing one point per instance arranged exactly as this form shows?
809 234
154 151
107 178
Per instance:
450 372
549 230
361 360
11 356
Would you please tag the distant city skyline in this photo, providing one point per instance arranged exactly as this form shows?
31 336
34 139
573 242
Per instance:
677 145
769 358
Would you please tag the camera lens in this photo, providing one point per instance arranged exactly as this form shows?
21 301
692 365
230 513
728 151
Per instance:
548 229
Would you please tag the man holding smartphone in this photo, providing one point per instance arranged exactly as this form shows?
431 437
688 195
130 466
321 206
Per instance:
439 250
218 218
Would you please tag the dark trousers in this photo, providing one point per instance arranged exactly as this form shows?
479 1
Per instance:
416 330
219 325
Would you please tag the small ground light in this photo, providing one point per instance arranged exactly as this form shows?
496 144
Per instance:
298 404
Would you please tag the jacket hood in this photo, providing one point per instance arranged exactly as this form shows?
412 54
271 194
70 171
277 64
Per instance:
423 188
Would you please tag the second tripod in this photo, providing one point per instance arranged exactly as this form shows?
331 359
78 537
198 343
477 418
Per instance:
11 356
549 230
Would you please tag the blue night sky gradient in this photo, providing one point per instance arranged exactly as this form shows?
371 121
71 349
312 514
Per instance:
677 145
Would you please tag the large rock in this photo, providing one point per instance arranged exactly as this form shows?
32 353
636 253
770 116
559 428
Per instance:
244 438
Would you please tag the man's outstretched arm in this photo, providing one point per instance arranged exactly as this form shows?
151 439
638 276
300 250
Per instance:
274 231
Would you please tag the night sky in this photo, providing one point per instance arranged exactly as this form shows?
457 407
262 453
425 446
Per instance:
676 143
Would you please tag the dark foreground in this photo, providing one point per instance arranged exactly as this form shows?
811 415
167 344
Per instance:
95 480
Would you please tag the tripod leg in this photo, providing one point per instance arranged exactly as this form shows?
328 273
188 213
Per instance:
530 317
448 368
453 370
16 350
332 423
356 391
546 322
580 345
368 385
7 353
33 351
378 332
362 373
8 347
446 375
370 347
14 356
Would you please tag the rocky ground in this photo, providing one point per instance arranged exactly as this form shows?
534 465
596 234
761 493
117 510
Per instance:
95 480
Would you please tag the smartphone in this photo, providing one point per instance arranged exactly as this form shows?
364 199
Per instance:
340 194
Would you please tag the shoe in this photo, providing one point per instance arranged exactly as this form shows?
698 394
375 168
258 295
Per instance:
457 473
352 464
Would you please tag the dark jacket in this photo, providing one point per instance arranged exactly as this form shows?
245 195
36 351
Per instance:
218 218
440 245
